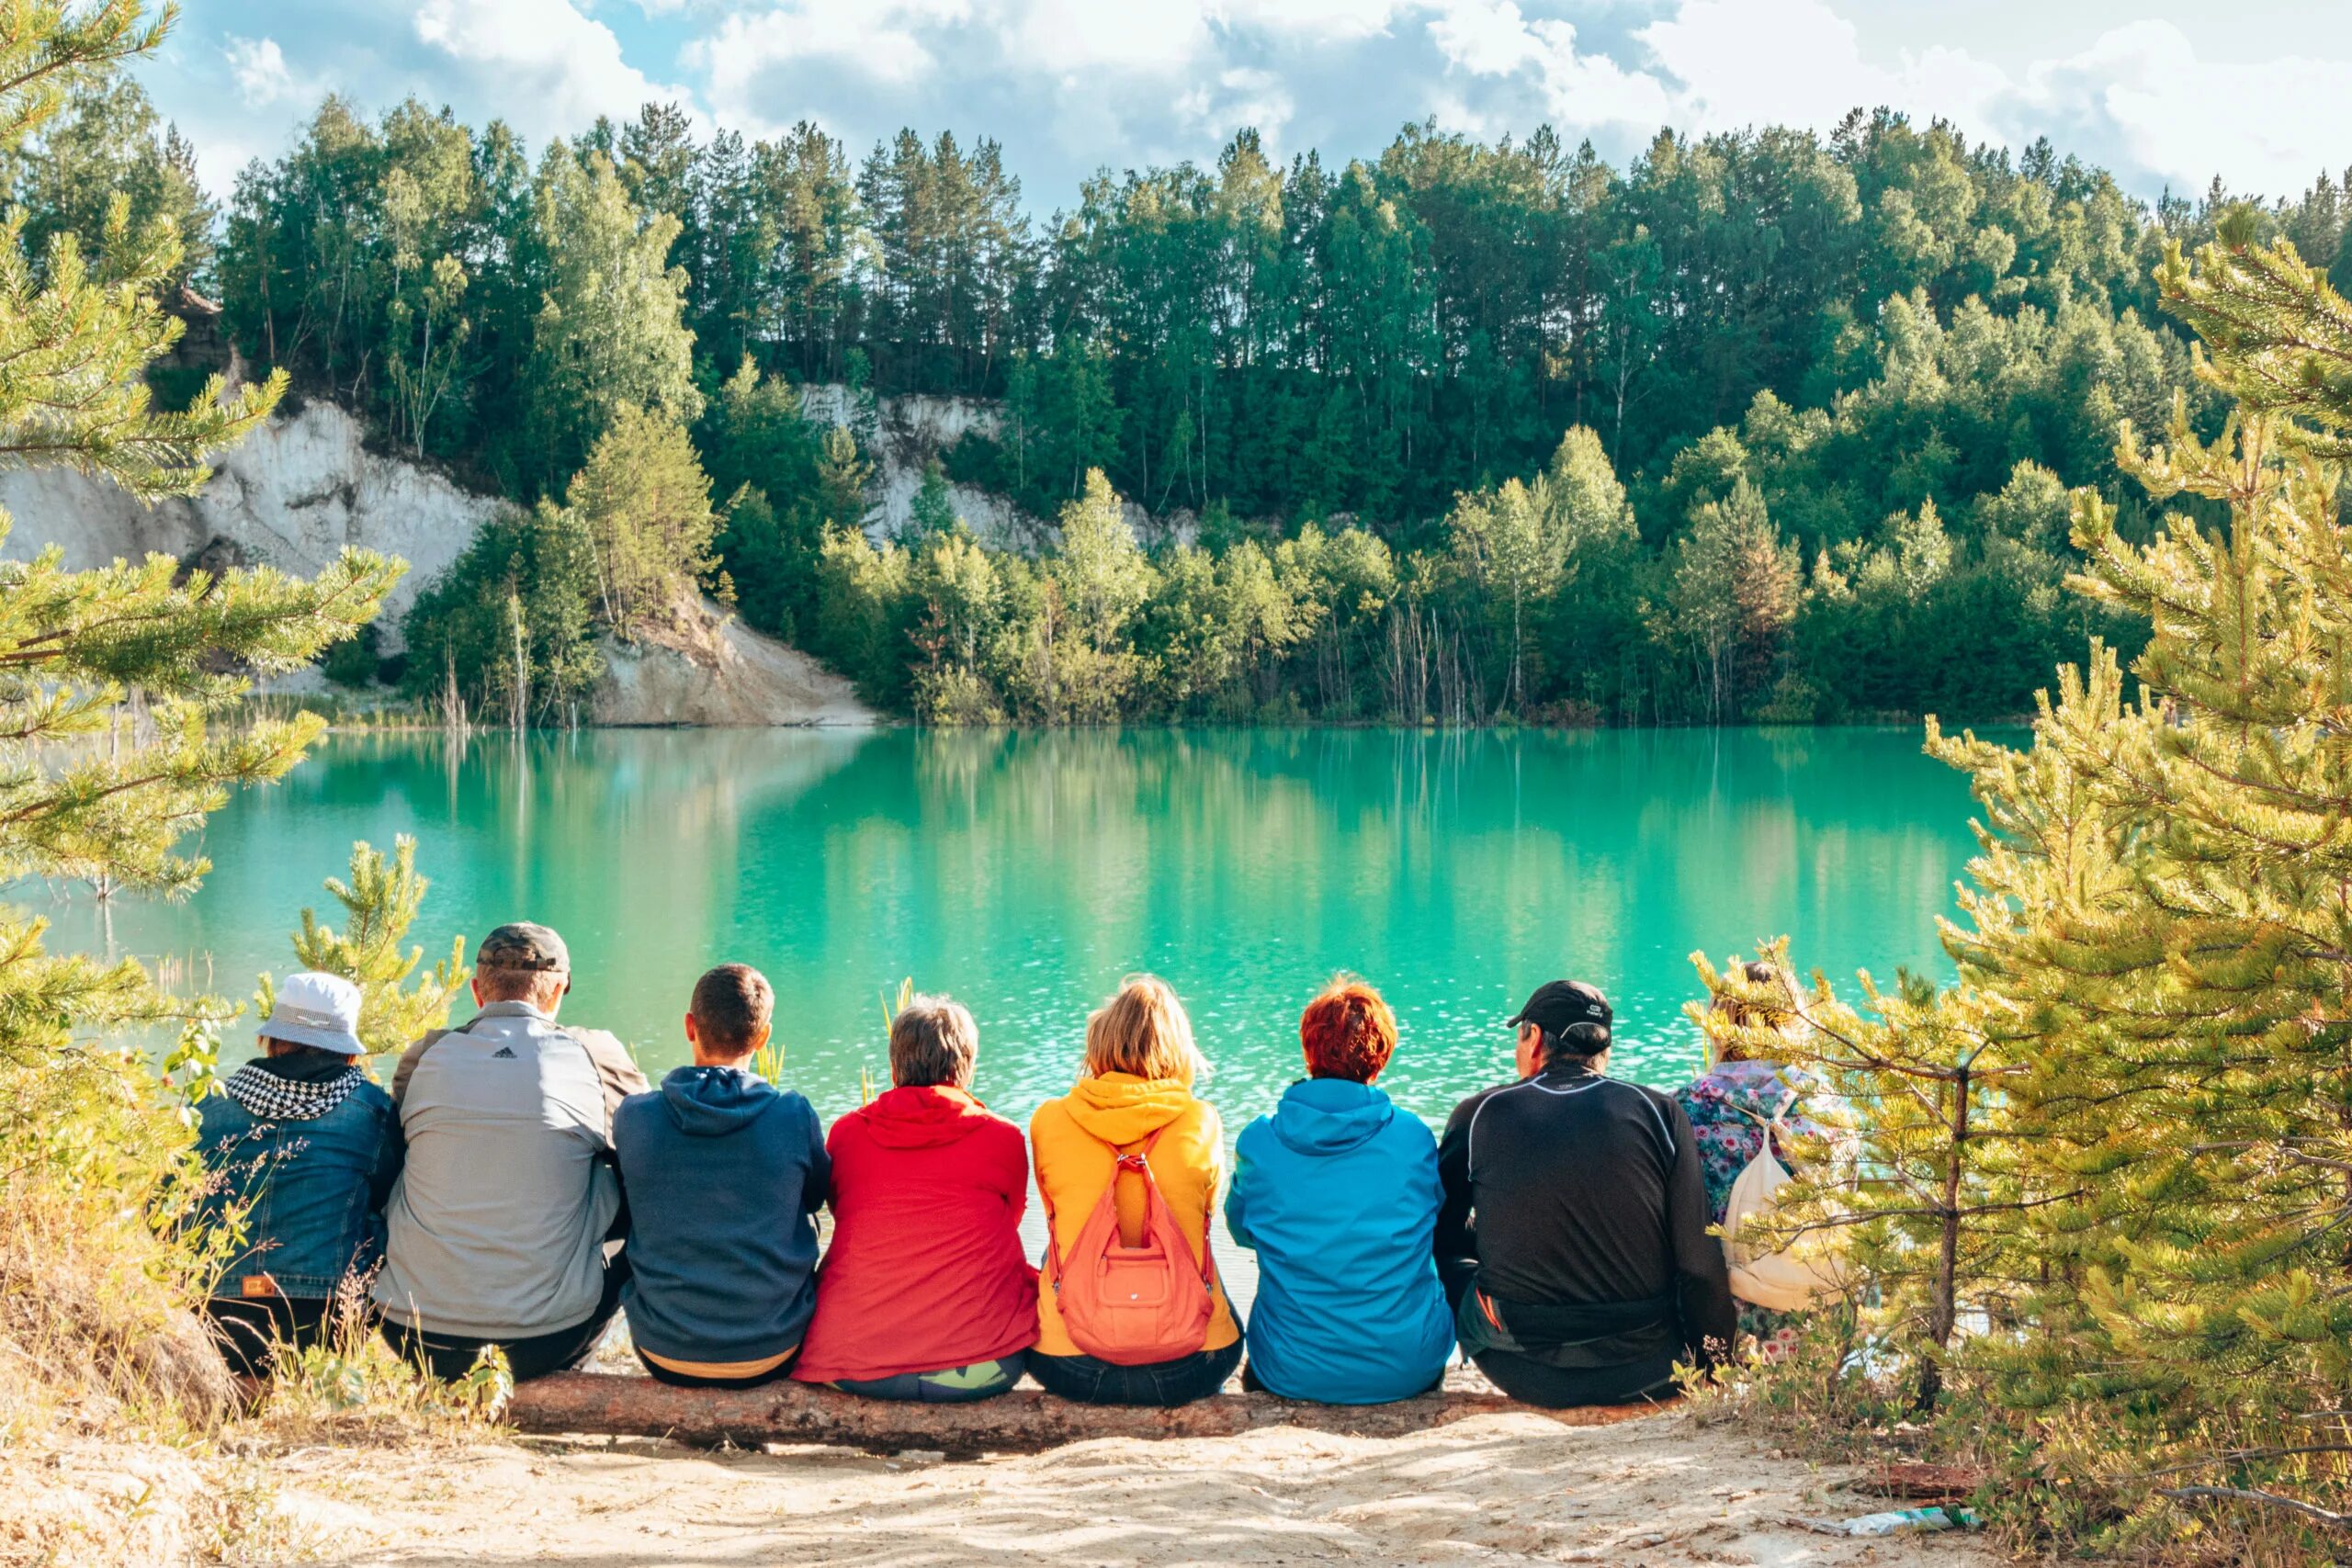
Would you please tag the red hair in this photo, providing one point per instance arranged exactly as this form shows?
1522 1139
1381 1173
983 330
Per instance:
1349 1032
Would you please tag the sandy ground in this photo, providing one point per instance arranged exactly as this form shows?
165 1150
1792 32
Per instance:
1659 1493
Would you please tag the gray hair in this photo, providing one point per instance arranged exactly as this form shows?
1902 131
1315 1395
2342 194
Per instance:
933 1041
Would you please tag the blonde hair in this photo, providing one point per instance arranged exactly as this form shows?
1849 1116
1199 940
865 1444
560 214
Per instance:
1143 1031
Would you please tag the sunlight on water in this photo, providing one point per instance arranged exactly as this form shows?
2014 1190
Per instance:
1025 873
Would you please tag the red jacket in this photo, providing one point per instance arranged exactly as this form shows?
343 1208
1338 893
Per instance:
926 1270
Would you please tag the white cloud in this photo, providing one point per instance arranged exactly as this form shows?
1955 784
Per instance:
1070 85
1320 20
2265 125
259 68
1154 37
555 69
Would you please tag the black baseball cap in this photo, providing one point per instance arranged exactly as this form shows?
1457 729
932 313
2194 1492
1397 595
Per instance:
1558 1004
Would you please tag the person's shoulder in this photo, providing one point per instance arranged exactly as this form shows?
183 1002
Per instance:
1253 1135
634 1108
1408 1131
372 1095
1204 1118
1469 1107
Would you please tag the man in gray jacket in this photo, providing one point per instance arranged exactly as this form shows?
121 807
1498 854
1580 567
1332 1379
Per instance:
497 1230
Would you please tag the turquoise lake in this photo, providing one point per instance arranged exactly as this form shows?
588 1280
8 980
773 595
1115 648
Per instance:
1025 873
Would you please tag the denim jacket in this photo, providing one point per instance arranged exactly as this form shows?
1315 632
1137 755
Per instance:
312 1190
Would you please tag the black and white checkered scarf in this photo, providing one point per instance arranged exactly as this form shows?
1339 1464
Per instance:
274 1098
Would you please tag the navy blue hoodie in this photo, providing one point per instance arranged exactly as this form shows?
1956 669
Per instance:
722 1171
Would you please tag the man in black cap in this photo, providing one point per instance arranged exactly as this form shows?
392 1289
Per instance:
1573 1236
496 1232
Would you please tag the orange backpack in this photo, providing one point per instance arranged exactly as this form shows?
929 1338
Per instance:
1132 1305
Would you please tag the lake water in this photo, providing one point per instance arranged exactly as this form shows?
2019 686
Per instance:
1025 873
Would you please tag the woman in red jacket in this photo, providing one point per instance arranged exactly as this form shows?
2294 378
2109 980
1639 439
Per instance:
925 1294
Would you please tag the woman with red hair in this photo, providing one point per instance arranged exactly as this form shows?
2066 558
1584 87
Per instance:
1337 1193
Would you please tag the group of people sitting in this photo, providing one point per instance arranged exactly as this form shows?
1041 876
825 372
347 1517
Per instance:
520 1184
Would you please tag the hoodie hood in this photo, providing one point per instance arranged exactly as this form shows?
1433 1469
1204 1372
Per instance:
923 1116
1120 1107
710 1103
1329 1116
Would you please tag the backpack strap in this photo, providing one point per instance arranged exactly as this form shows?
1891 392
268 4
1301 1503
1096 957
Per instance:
1139 1163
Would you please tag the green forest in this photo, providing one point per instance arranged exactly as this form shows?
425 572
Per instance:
1763 426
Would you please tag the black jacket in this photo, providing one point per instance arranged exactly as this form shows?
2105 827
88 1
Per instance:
1572 1191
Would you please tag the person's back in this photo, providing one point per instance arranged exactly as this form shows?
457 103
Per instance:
723 1170
495 1227
302 1147
1574 1235
925 1292
1338 1192
496 1233
1136 1094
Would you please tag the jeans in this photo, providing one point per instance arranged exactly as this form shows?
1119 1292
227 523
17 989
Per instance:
950 1385
1564 1388
1548 1387
249 1331
450 1356
1164 1383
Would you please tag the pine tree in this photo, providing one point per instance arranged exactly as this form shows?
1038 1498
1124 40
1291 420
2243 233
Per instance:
381 902
2159 932
107 681
74 646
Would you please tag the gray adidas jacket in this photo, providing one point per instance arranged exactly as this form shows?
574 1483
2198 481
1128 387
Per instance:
496 1227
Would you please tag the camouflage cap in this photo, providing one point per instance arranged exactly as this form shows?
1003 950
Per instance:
522 945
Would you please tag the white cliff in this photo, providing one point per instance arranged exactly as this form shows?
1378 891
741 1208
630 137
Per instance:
292 496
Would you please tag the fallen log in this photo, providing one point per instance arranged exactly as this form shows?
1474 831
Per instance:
1025 1421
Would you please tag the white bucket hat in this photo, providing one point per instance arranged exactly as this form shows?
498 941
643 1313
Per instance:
313 1008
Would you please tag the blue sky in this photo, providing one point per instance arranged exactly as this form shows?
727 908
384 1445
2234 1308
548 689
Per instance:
2258 92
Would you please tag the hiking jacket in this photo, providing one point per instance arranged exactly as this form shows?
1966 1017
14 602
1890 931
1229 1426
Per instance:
723 1171
926 1269
1579 1198
1338 1192
1072 1139
307 1150
497 1225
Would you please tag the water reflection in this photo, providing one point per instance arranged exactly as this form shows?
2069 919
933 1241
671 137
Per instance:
1026 872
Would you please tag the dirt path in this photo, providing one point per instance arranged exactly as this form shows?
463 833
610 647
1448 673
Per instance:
1662 1493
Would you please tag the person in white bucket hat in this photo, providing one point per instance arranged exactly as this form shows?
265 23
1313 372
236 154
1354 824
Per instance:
304 1145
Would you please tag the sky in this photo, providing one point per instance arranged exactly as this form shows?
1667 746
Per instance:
2167 95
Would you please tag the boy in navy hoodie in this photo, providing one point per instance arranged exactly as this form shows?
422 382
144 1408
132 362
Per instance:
722 1172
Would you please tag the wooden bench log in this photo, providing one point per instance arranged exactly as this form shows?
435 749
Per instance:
1025 1421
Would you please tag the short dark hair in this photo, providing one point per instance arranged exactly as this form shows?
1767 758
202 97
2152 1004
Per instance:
732 1004
1577 1042
933 1041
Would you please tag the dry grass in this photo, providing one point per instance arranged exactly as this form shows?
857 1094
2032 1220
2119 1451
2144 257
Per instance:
112 1400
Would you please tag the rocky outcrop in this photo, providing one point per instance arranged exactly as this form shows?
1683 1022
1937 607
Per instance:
305 485
292 495
705 667
901 435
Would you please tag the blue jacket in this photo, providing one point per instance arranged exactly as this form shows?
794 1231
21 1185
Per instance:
721 1171
1338 1192
311 1187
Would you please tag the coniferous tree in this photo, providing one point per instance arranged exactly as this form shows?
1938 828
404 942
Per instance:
380 901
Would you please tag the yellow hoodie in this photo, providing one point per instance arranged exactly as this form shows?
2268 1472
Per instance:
1071 1139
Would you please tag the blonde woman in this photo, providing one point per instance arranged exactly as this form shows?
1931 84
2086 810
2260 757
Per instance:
1132 1110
